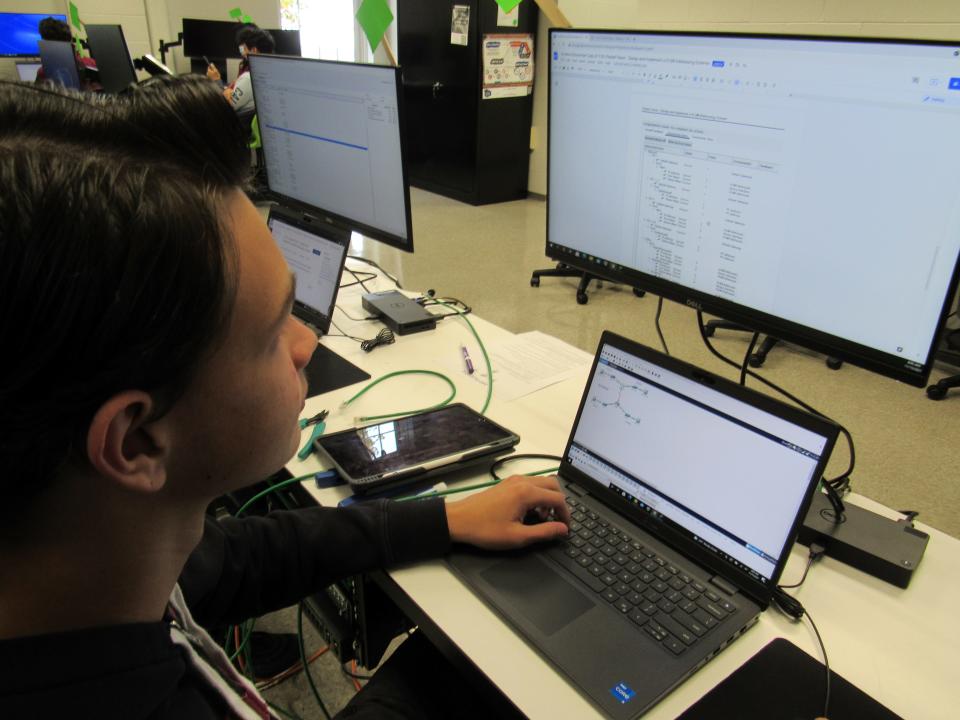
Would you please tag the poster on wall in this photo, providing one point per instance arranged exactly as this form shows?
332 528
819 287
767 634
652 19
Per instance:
507 65
460 25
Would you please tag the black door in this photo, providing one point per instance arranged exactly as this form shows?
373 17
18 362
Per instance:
441 92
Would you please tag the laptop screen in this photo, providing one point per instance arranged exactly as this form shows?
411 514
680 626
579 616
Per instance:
726 474
316 256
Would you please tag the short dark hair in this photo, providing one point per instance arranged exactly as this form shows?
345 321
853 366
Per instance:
255 37
116 268
52 29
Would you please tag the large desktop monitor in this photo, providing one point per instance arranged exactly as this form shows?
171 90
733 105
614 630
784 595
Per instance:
218 39
213 38
806 187
287 41
333 142
20 33
109 48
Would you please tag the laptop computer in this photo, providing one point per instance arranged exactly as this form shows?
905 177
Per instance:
315 248
27 70
687 492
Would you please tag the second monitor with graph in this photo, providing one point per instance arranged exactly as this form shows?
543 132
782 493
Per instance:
333 142
805 187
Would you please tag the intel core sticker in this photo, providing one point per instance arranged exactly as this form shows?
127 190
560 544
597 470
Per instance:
622 693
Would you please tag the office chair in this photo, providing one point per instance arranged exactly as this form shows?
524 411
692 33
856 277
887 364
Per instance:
949 354
769 342
564 270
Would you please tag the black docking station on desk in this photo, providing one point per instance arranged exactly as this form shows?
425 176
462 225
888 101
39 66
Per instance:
398 312
887 549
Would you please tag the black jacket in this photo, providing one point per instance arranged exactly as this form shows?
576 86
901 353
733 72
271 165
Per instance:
241 569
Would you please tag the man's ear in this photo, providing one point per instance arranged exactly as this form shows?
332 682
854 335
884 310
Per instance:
125 446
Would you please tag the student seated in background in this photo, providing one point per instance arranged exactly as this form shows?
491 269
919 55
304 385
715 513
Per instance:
252 40
52 29
151 365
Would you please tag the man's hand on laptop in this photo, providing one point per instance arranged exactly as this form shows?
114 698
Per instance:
494 518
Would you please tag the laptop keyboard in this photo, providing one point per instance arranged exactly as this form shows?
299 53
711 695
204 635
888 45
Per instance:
665 602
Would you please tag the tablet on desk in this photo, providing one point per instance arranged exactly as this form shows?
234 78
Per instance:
413 448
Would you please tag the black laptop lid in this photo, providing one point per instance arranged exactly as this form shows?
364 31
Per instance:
719 471
315 249
59 63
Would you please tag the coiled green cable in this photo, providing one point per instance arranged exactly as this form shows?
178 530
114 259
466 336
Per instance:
453 394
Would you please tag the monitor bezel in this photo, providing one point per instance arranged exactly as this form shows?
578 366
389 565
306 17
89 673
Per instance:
369 231
832 345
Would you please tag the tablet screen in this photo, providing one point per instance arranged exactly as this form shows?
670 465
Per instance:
411 442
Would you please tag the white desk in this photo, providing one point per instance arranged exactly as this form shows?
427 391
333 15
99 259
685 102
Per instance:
900 646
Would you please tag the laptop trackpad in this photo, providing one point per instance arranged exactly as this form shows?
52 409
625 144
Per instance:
538 592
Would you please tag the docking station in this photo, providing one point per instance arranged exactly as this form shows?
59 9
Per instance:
888 549
398 312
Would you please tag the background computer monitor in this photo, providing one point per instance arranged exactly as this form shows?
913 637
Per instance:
213 38
59 63
109 48
218 39
332 141
20 33
806 187
287 41
27 71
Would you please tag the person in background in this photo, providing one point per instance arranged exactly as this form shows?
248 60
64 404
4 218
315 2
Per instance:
252 41
52 29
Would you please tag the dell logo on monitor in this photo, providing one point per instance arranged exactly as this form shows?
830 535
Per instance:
694 304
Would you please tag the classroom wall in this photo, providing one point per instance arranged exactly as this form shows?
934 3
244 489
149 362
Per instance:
925 19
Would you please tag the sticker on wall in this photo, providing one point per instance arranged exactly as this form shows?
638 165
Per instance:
508 18
460 25
507 66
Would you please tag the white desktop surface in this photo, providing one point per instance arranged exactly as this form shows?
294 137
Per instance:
899 646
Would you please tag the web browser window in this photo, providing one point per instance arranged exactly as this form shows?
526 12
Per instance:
759 170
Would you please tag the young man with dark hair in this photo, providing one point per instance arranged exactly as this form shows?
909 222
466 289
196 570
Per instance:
252 41
152 364
52 29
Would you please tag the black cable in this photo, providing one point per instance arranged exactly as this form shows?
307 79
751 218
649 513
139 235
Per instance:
656 322
817 551
350 317
521 456
384 337
371 263
306 665
343 334
746 359
826 664
841 483
343 669
430 299
793 608
358 281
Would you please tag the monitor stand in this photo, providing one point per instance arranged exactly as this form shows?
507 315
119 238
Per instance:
328 371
